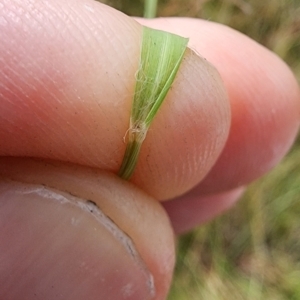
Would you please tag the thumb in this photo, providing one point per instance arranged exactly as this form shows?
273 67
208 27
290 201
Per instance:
70 232
67 92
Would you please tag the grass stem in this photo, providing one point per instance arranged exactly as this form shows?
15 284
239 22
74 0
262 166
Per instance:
150 9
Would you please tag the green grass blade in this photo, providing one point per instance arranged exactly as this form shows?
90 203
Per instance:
161 55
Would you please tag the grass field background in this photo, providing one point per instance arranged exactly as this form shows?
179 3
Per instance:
253 251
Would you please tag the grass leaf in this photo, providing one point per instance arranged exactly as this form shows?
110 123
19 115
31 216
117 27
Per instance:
161 55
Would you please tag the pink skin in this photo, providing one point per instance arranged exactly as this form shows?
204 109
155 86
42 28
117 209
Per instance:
191 210
66 82
265 109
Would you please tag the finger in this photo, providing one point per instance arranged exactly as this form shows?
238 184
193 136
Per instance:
264 97
191 210
66 93
71 232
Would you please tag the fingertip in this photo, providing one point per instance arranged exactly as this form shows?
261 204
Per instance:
188 133
264 97
51 248
265 100
72 232
67 93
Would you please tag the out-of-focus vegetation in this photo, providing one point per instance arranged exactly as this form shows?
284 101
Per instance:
253 251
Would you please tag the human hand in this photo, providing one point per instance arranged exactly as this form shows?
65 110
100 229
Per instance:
66 82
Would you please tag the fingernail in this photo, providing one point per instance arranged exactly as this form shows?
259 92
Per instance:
57 246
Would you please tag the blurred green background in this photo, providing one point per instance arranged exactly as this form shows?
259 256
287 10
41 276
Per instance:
253 251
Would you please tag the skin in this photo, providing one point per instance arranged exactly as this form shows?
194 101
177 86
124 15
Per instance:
66 83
